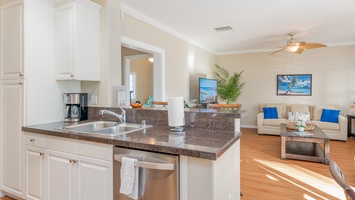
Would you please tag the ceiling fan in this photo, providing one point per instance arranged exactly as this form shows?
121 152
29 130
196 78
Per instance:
295 46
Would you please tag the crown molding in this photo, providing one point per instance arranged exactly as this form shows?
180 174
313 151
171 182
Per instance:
87 3
128 10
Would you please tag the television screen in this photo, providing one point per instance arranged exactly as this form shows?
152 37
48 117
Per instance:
208 90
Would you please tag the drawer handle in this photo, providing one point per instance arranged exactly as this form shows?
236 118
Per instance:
32 140
20 74
41 154
147 165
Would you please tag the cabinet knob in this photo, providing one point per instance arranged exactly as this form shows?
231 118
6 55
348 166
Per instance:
70 160
41 154
21 74
32 140
20 83
72 75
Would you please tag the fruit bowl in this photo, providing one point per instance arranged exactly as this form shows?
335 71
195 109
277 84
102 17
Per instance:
136 105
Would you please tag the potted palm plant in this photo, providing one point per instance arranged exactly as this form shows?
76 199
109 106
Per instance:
229 87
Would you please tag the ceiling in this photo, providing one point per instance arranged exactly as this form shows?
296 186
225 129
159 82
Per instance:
258 25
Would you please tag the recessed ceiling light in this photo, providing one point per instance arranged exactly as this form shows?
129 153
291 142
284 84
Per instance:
223 28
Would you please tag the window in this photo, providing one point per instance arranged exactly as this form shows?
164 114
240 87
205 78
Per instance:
132 85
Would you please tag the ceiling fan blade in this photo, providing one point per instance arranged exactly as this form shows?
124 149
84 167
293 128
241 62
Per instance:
278 50
299 50
314 45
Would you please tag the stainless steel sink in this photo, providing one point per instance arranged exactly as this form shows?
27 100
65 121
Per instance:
104 128
121 129
90 126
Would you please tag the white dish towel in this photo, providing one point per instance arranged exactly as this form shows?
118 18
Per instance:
129 178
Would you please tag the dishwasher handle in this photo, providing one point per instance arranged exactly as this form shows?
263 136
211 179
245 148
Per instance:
148 165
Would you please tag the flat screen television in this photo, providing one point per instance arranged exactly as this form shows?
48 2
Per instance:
208 91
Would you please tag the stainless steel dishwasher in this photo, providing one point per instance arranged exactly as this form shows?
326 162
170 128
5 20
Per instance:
158 174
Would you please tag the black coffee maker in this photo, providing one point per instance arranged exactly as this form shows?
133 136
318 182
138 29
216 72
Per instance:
76 107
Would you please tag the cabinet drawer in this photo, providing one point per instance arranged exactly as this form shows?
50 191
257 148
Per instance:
94 150
60 144
35 140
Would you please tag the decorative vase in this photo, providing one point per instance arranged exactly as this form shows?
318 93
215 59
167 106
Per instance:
301 129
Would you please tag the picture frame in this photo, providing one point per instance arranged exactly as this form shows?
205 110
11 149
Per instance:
294 84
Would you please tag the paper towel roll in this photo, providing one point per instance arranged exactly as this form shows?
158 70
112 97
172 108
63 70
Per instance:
176 114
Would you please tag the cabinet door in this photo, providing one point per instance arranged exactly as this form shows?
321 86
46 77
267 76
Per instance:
35 170
78 41
60 176
11 121
65 41
94 179
11 39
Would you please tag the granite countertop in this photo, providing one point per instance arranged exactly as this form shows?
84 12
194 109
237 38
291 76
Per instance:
200 143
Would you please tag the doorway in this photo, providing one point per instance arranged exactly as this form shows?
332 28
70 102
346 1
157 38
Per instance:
158 67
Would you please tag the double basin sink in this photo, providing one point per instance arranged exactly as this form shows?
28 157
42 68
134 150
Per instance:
104 128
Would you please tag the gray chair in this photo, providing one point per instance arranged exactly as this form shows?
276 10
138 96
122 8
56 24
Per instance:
340 179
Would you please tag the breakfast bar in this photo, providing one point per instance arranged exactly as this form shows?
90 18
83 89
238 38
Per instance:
208 151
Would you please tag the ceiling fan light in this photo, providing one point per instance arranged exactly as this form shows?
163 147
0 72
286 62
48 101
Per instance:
293 47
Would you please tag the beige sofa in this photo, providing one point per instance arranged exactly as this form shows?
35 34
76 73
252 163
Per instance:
335 131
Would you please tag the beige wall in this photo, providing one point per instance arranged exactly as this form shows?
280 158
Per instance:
332 69
181 58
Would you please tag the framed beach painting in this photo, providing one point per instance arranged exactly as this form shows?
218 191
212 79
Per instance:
294 84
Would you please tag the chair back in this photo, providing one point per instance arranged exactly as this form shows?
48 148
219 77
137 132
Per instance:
219 106
161 103
340 179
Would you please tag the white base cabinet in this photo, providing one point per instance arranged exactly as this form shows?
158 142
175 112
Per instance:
67 169
35 171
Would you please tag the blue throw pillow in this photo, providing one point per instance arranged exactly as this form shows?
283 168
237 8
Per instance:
270 113
330 115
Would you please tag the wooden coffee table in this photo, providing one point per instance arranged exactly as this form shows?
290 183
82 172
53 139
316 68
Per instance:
313 148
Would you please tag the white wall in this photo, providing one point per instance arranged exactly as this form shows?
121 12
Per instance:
106 89
182 58
332 69
44 98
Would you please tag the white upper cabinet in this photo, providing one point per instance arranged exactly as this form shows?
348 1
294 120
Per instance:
11 40
78 41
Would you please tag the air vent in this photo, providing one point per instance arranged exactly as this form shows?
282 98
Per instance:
224 28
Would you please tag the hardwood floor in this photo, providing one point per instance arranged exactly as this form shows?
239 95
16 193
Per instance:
265 176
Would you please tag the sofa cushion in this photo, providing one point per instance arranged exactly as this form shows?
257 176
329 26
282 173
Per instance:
329 115
274 122
270 113
279 107
299 116
302 116
317 112
300 108
327 125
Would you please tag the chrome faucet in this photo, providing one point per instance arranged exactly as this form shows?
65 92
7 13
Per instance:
121 117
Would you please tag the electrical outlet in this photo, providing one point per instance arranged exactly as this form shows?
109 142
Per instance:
93 100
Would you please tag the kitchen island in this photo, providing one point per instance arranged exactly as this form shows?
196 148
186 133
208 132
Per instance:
209 158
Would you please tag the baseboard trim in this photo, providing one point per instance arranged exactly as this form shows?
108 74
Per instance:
249 126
